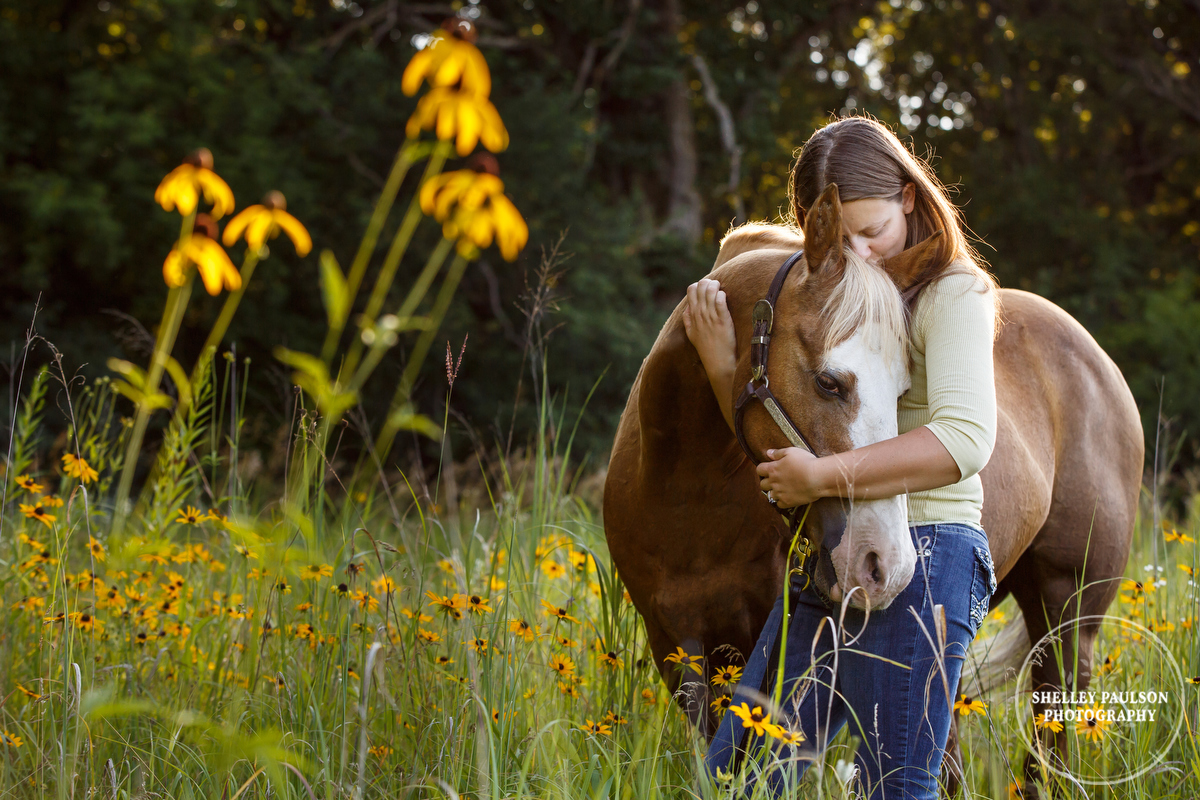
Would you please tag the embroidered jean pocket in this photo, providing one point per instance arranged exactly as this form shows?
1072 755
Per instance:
983 586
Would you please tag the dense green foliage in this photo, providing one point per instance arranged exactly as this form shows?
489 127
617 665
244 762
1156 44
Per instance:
1071 128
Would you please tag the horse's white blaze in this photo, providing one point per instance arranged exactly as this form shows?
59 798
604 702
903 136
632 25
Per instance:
878 527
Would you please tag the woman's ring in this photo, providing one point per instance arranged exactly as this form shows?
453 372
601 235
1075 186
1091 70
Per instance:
770 499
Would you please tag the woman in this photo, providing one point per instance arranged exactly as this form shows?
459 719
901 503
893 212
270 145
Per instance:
947 422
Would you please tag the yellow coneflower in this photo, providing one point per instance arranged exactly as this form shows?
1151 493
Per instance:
970 705
559 613
96 548
522 629
465 117
203 250
562 665
498 219
685 661
448 60
78 468
182 187
1094 723
37 512
755 719
726 676
314 572
597 728
263 222
29 484
1046 722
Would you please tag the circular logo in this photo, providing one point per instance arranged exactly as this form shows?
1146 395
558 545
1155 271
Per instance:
1123 724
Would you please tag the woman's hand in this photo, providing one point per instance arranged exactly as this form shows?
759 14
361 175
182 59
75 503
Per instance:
792 477
709 327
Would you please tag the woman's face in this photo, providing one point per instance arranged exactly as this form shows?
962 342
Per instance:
876 228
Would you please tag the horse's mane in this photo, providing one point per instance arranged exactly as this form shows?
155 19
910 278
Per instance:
866 298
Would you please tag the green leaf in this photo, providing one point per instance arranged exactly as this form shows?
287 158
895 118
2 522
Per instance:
405 419
334 290
312 376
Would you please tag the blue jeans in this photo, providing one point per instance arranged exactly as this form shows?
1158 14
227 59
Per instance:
901 715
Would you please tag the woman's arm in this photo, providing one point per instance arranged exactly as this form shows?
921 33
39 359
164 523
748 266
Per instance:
911 462
709 326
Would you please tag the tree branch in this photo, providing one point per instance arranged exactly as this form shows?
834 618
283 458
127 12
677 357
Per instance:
728 137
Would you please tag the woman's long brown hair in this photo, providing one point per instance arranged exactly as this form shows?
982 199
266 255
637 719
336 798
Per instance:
865 159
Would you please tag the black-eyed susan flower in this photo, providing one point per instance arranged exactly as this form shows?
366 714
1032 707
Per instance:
558 612
685 661
262 222
38 512
1093 723
611 660
182 187
29 484
1048 721
564 641
315 572
365 601
96 548
341 590
447 60
443 661
86 622
718 704
380 751
282 586
726 676
479 645
1191 571
788 737
32 695
596 728
477 604
76 467
203 250
429 637
613 718
965 705
522 629
552 569
51 501
191 516
383 585
569 690
649 698
10 739
465 117
562 665
244 552
450 606
755 719
353 570
1174 535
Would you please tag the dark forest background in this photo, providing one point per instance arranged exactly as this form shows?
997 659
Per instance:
642 129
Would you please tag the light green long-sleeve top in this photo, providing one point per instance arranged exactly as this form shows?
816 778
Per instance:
953 391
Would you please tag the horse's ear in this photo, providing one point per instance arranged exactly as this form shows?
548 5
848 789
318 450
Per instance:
907 268
823 229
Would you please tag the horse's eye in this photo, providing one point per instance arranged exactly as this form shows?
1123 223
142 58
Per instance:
827 384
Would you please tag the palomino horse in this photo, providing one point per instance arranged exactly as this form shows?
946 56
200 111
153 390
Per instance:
702 552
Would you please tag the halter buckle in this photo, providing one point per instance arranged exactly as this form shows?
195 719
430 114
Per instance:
763 313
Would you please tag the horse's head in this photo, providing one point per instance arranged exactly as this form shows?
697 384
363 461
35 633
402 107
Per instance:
838 363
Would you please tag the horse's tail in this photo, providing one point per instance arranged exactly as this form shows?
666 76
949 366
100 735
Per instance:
995 660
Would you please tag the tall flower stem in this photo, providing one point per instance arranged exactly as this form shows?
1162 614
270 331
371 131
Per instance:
440 305
404 159
177 300
391 262
227 311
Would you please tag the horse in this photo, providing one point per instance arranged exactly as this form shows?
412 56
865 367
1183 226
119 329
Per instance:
702 552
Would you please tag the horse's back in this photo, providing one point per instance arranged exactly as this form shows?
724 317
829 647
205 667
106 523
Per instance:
1069 446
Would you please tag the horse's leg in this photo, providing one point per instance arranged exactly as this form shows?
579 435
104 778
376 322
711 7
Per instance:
1054 596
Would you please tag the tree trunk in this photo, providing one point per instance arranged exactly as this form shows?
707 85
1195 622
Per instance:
683 208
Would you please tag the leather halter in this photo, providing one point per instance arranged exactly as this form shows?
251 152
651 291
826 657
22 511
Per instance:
759 387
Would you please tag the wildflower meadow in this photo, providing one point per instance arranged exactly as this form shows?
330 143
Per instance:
174 628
